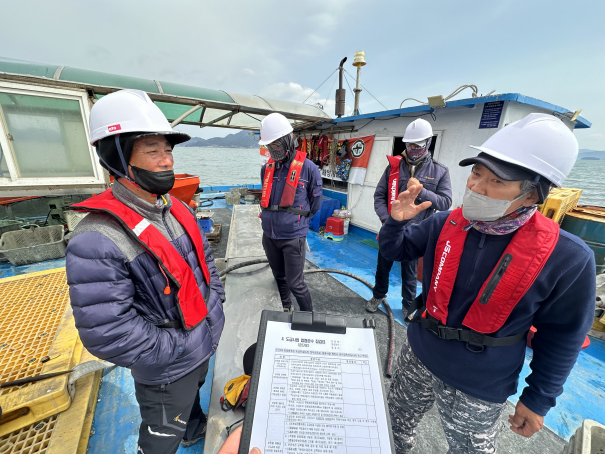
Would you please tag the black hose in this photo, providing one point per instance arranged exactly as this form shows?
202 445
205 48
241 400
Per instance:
241 265
346 273
46 220
26 380
201 205
392 338
386 305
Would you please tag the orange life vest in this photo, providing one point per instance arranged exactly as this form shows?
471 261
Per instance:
191 304
287 198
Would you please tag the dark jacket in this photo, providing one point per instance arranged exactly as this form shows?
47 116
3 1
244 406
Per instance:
560 304
434 176
117 296
280 225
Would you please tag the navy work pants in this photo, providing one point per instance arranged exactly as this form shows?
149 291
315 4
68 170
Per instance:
171 412
408 279
287 262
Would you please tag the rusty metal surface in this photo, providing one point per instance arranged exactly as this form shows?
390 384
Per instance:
589 212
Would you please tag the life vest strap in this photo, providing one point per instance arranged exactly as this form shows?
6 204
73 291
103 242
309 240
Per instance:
286 209
470 337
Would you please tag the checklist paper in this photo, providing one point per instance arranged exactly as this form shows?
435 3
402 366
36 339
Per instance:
320 393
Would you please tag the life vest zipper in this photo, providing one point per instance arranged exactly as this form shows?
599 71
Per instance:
495 279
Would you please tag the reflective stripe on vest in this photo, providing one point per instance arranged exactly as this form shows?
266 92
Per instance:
287 198
520 265
190 301
393 188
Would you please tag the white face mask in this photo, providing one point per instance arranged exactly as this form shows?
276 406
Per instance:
477 207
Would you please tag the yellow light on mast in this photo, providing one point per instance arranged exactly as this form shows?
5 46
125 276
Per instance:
359 59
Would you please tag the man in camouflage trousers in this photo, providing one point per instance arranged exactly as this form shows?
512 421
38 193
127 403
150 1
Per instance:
491 270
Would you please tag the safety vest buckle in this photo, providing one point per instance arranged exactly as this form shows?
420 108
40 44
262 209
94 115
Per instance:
445 332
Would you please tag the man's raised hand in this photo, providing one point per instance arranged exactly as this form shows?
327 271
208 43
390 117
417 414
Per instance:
404 208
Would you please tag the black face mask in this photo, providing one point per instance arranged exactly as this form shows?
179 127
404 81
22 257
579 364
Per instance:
158 183
284 150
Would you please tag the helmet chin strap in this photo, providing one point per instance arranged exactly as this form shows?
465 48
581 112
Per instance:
121 154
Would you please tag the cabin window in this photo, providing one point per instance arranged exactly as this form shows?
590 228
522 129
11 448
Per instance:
47 136
399 146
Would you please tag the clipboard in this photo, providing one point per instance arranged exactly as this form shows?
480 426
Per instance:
316 385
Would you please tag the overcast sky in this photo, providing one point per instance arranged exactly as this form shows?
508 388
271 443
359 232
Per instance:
552 50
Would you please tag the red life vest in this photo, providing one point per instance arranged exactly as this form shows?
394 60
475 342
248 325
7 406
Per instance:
322 146
287 198
190 302
520 265
393 189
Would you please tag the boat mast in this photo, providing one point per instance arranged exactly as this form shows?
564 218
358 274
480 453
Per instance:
359 60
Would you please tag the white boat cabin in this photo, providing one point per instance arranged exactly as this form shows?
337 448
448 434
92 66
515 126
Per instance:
459 124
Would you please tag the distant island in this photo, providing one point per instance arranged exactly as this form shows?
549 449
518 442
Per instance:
242 139
591 155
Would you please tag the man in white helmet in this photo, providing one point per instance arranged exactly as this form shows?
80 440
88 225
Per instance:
415 167
142 282
292 193
492 269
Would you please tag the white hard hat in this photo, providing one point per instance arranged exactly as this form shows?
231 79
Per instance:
417 131
273 127
130 111
539 142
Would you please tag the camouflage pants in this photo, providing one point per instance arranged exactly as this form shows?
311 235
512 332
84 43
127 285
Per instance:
471 425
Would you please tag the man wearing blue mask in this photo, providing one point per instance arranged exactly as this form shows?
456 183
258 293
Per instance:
492 269
415 166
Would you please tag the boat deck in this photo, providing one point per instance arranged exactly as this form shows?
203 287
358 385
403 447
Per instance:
116 419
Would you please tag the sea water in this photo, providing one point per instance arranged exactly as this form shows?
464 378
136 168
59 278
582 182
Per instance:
589 176
227 166
219 166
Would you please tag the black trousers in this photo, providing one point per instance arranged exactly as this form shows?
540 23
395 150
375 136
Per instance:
171 412
287 262
408 279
